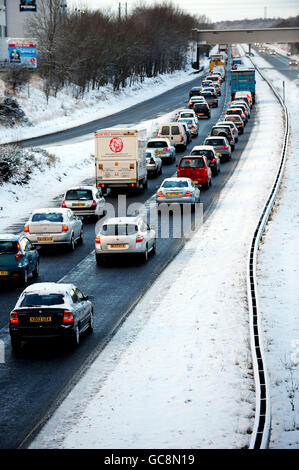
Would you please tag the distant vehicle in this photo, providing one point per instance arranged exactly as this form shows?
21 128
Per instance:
293 62
125 236
186 113
54 226
175 133
153 163
211 98
206 83
241 104
202 110
196 99
85 201
225 131
194 91
162 148
244 95
236 111
272 52
242 108
178 190
233 127
237 120
197 169
187 130
236 61
18 258
50 310
221 147
208 152
192 125
215 78
120 159
243 79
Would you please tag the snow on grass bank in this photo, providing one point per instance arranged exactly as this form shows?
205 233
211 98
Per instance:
178 373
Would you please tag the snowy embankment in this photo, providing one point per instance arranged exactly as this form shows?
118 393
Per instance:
278 274
178 373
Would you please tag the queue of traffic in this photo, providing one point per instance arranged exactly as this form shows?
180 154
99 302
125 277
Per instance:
54 309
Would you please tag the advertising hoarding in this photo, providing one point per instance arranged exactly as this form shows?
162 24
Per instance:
22 51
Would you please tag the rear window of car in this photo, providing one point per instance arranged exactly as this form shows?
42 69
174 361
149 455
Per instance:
175 130
175 184
33 300
119 229
78 194
165 130
219 130
200 106
50 217
214 142
204 153
8 247
157 144
208 94
186 115
192 163
234 111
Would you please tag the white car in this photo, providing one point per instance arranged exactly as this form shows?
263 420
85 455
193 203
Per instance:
153 163
54 226
186 113
180 190
86 201
192 125
162 148
125 236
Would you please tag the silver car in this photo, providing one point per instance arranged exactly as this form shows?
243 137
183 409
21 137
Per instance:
221 147
162 148
153 163
86 201
125 235
180 190
186 113
54 226
192 125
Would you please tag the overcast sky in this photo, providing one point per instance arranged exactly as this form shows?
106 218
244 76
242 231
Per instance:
215 10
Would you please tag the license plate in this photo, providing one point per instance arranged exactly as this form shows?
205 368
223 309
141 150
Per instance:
78 204
118 246
45 239
40 319
217 153
3 273
201 114
174 194
158 153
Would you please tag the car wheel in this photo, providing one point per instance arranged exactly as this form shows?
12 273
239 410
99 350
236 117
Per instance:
24 278
35 272
154 248
99 259
90 323
144 256
80 241
72 244
16 343
75 338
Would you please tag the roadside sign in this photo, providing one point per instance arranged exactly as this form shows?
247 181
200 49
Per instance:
28 5
22 51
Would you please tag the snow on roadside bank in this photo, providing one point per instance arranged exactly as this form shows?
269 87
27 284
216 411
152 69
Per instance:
278 274
178 373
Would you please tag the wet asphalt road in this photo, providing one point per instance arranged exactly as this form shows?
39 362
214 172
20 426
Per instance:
35 382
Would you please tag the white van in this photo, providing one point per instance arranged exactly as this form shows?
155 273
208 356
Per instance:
175 132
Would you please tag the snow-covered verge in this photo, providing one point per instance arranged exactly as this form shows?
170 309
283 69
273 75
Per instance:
178 373
278 274
64 111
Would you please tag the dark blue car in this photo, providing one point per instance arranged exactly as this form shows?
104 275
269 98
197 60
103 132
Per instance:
18 258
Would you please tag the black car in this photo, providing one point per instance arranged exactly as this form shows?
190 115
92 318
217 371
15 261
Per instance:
50 310
195 91
209 153
211 98
18 258
202 109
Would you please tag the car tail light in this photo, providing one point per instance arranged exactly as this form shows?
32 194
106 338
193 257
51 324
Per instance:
13 318
215 101
94 203
182 138
160 194
214 160
18 256
165 150
152 161
26 228
188 194
68 317
231 140
98 240
65 228
139 238
63 204
224 147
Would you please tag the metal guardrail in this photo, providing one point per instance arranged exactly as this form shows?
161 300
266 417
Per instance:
262 424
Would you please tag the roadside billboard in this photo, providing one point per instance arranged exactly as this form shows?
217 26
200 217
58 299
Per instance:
22 51
28 5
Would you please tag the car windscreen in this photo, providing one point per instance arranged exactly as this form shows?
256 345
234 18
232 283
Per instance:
48 217
175 184
8 247
78 194
35 299
204 153
192 163
156 144
119 229
214 142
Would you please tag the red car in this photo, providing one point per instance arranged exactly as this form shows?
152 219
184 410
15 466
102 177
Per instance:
197 169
